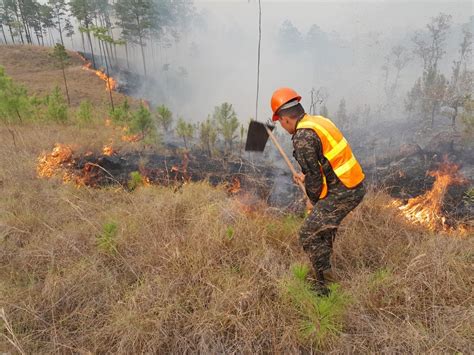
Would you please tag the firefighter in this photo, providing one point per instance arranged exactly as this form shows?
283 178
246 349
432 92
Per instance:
332 176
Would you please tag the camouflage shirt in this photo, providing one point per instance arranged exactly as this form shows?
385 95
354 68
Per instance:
308 152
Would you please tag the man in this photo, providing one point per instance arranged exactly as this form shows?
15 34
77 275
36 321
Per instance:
332 176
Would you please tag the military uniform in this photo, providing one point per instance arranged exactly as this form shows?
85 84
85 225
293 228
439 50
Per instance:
319 229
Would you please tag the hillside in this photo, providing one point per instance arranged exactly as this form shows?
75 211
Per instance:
33 66
192 268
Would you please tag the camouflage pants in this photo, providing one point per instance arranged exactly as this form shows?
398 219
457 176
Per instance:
319 229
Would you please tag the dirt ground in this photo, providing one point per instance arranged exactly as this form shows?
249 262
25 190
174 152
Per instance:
34 67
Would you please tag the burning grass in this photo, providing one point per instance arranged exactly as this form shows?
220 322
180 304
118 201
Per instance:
161 270
426 209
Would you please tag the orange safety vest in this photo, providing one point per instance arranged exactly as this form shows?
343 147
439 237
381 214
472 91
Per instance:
336 150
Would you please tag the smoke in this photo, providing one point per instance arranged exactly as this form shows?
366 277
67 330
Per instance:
215 61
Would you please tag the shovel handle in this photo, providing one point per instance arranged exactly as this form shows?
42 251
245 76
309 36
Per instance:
288 162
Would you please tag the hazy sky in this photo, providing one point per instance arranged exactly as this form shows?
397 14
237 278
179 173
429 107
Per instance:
225 69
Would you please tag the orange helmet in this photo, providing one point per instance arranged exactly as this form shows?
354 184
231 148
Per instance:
280 97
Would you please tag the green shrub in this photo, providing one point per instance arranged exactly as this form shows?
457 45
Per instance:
106 241
84 114
135 180
184 130
141 121
164 117
229 233
56 108
121 114
320 316
14 101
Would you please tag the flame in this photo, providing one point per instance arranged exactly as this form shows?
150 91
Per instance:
235 187
110 83
131 137
108 150
426 209
49 164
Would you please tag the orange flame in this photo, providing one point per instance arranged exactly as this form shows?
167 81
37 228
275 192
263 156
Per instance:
110 83
131 138
235 187
426 209
49 164
108 150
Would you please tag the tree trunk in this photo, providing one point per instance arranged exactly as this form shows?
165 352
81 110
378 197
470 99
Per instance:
141 44
432 115
28 37
126 55
453 119
11 34
65 83
18 114
115 52
108 80
101 52
143 56
51 38
12 132
37 38
29 33
92 48
4 37
60 30
19 30
83 42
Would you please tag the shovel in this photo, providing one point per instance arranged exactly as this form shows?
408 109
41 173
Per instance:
257 137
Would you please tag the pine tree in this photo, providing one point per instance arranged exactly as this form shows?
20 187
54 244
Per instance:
430 89
7 17
60 15
164 117
84 11
60 54
184 130
208 135
460 86
138 19
227 123
45 15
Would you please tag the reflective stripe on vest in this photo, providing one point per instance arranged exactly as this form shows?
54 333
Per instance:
336 150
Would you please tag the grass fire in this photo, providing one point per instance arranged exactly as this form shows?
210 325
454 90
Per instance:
296 180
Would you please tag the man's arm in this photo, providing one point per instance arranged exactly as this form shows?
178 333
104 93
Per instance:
308 152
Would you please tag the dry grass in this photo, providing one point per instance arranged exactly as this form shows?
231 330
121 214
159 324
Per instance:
190 271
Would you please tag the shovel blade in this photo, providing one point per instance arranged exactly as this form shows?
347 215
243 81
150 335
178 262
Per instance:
257 136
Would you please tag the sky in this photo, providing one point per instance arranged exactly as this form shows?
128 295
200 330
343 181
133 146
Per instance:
225 67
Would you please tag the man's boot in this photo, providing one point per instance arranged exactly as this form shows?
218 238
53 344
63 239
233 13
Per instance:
328 276
318 285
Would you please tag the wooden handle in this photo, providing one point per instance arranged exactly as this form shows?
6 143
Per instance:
283 154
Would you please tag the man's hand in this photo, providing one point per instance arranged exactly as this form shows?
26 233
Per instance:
297 178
